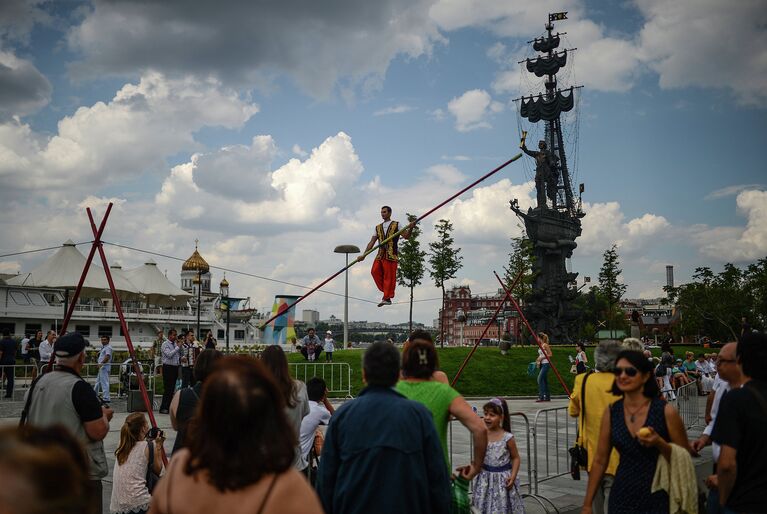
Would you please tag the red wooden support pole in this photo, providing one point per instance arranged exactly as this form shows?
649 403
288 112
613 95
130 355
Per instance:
396 234
490 323
535 336
124 326
79 288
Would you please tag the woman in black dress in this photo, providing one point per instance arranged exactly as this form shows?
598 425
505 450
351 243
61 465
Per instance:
641 407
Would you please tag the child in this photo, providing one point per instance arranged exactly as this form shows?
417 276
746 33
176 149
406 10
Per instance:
496 488
330 345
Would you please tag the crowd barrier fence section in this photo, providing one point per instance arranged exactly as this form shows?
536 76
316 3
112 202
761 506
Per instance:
23 375
688 404
554 431
337 376
120 374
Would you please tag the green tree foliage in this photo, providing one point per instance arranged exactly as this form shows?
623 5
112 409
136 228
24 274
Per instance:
611 288
521 259
411 267
713 304
595 309
444 262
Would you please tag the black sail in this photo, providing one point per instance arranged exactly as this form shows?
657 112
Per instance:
547 65
546 44
540 108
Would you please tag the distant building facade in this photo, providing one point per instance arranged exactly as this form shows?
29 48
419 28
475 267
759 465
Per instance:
478 310
310 317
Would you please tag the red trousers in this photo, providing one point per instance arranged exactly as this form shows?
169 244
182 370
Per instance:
385 275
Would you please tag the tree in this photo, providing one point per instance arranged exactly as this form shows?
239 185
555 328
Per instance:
445 262
411 266
609 285
521 258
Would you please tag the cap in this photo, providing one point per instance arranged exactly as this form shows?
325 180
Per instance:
70 344
329 332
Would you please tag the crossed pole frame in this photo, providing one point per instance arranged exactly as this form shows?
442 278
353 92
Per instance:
97 245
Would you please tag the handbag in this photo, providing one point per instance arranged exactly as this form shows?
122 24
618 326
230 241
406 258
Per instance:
459 496
151 477
579 455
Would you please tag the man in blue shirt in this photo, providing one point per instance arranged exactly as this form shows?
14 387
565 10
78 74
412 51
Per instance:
7 361
104 362
381 452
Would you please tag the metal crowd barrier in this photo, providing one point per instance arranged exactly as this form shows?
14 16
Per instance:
554 431
337 376
117 375
23 375
688 404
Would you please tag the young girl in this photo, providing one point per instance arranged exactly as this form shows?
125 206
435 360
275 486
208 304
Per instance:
496 488
581 359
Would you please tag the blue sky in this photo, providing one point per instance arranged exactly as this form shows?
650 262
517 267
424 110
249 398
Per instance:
156 105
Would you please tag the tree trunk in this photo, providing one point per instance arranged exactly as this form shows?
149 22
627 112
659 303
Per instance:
410 329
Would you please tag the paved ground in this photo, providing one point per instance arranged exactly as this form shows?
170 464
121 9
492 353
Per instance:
554 433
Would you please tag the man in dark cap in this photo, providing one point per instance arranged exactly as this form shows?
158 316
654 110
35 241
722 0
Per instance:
62 397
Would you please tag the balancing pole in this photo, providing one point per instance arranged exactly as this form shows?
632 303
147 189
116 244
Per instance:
535 335
489 324
118 308
395 235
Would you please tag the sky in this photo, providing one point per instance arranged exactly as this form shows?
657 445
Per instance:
274 131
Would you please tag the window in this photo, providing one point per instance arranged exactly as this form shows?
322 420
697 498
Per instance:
239 335
85 330
53 298
105 330
32 328
10 327
19 298
221 334
37 299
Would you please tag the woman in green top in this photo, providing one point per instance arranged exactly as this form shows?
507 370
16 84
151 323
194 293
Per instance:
419 368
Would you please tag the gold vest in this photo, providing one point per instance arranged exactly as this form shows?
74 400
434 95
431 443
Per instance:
389 250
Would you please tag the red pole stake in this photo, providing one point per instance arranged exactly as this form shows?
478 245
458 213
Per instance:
79 288
490 323
124 325
396 234
535 336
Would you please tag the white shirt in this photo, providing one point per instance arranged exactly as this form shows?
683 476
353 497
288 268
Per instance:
45 351
385 228
719 388
318 415
25 346
105 350
329 345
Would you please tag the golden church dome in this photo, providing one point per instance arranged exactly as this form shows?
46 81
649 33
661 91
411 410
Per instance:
195 262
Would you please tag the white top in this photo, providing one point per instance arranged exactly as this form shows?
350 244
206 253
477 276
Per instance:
719 388
329 345
45 351
579 357
544 360
25 346
129 491
385 228
105 350
318 415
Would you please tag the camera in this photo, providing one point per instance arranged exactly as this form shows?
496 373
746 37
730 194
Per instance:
154 433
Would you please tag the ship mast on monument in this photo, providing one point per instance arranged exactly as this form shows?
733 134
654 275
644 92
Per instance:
555 222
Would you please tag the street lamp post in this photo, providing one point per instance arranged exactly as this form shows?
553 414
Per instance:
198 280
346 250
224 287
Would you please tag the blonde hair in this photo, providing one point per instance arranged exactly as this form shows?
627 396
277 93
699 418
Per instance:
543 337
130 434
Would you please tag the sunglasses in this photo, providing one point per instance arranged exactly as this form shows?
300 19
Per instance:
630 371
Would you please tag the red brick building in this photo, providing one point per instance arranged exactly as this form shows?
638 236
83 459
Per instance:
478 310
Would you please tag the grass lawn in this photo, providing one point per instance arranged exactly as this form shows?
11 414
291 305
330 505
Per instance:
489 373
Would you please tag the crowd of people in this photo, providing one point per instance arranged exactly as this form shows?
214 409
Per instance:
248 436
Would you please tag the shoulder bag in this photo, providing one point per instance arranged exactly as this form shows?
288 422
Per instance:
151 477
579 457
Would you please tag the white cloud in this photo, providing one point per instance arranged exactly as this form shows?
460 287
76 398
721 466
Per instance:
446 173
736 244
23 89
472 109
438 115
18 17
724 45
604 226
455 158
110 142
297 150
731 191
323 46
397 109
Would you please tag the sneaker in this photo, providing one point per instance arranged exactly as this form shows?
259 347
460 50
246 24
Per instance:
163 411
385 301
539 400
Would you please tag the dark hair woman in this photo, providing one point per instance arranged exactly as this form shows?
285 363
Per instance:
185 401
293 391
580 358
419 363
641 427
240 450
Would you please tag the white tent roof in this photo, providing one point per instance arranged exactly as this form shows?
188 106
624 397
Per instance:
63 269
155 286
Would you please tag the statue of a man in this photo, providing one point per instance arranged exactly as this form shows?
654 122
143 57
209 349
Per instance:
546 173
